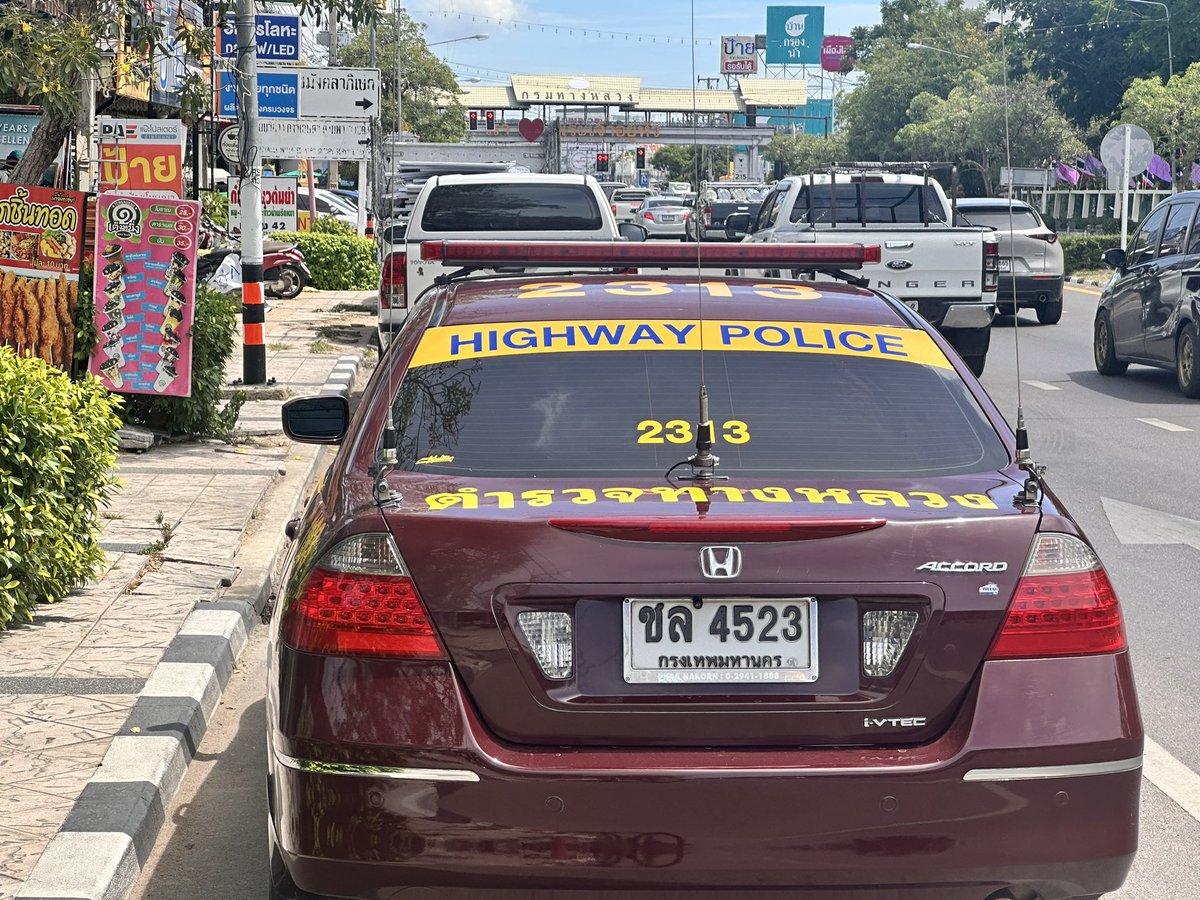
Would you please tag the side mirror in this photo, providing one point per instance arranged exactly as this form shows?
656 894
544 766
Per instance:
316 420
1114 257
737 226
631 231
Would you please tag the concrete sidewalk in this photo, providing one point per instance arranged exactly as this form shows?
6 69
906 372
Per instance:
105 696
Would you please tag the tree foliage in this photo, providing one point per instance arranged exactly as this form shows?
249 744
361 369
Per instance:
977 127
430 105
803 153
1170 113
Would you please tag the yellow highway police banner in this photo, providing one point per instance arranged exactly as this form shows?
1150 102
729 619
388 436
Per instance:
457 342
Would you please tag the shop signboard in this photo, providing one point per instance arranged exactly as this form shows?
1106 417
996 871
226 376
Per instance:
794 35
739 55
145 293
837 53
278 204
41 251
143 156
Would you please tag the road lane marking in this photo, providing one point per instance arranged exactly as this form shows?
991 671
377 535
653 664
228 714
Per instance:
1043 386
1082 290
1165 426
1172 777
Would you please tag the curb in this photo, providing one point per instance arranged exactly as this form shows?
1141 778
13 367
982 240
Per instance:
99 852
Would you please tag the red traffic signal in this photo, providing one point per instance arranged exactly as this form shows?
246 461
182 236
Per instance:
490 115
641 157
474 119
601 162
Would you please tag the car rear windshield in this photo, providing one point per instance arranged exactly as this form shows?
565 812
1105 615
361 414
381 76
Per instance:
630 195
872 202
519 206
633 413
997 217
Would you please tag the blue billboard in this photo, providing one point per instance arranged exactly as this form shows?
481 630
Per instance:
794 35
276 36
278 95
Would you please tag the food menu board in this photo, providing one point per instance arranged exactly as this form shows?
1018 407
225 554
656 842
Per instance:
41 246
145 290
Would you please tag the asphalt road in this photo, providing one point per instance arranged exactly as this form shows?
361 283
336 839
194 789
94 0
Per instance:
1129 482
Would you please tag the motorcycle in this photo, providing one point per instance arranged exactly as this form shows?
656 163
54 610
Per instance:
285 273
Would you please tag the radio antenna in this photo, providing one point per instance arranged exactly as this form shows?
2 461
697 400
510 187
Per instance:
1030 495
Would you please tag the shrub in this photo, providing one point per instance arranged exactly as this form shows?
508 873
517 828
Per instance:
1082 251
338 262
216 206
57 447
201 414
333 225
86 334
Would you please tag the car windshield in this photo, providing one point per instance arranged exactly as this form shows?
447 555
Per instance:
630 412
663 201
630 195
517 206
996 217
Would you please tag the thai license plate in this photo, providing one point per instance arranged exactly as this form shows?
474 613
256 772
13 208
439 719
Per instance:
720 640
1006 265
668 218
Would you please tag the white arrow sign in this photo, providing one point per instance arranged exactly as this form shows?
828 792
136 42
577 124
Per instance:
311 138
1138 525
335 93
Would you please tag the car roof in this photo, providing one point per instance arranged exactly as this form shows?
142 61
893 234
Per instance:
508 178
494 299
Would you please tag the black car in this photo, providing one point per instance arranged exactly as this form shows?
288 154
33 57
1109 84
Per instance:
1150 309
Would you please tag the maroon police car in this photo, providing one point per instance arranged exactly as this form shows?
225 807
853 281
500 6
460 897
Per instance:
665 585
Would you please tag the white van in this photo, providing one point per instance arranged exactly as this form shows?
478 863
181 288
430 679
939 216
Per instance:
492 207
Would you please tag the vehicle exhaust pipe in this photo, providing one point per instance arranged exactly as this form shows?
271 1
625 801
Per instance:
1043 297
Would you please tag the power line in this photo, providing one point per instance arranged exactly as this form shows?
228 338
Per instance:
559 29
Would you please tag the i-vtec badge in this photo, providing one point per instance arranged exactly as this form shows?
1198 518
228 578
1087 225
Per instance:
962 568
915 722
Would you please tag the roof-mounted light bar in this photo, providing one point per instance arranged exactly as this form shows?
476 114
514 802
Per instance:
602 254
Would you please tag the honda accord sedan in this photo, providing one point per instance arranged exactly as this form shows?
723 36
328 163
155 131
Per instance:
641 587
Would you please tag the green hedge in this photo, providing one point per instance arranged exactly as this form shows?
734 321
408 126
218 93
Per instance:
1082 251
201 414
57 447
338 262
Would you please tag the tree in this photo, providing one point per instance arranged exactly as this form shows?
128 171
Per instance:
44 60
803 153
970 127
676 161
1170 113
429 91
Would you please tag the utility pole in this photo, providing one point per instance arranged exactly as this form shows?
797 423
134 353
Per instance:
708 82
334 175
254 351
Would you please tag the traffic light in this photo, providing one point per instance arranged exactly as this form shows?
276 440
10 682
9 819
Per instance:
751 116
601 162
474 117
641 157
490 115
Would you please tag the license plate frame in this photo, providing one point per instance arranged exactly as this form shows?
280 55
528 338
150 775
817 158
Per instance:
1005 265
741 673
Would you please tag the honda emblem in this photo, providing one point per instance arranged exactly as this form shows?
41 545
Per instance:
721 562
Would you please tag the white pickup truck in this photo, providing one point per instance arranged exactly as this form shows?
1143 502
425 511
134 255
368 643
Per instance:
494 207
948 274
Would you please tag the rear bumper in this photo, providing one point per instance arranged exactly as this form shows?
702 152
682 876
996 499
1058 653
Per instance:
1036 794
1030 289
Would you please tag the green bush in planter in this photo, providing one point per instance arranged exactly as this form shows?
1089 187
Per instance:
1082 251
338 262
201 414
57 447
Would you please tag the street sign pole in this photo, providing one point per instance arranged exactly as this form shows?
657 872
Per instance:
1125 190
254 351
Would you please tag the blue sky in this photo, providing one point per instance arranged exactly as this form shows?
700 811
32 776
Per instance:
547 45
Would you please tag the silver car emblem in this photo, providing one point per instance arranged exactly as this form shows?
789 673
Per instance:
899 264
721 562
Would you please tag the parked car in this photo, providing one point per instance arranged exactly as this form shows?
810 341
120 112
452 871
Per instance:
626 201
1149 312
1031 258
663 217
868 654
328 204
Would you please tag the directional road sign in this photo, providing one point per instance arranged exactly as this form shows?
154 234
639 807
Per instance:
336 93
277 37
309 138
278 95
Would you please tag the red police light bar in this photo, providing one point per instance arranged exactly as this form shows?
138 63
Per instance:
585 254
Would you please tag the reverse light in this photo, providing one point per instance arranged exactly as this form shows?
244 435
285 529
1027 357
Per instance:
550 636
360 600
1064 605
605 254
885 635
393 283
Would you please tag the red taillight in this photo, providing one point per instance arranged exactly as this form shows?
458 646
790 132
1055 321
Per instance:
372 610
708 217
393 285
991 264
1064 605
648 215
614 209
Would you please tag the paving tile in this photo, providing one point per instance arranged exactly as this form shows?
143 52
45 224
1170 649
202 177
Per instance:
105 663
10 886
75 761
19 852
57 707
130 634
138 605
34 735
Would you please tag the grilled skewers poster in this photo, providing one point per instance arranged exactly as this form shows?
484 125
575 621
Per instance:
145 292
41 242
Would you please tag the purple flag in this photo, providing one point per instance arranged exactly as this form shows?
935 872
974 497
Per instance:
1159 168
1195 178
1081 167
1067 173
1094 166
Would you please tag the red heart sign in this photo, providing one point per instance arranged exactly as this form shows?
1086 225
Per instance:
531 129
